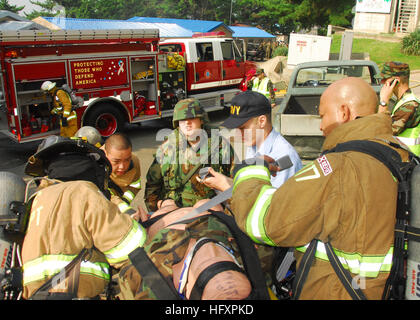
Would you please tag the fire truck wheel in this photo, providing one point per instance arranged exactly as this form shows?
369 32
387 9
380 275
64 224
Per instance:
106 118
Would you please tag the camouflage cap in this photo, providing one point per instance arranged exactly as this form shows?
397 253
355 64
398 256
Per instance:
395 69
259 71
188 109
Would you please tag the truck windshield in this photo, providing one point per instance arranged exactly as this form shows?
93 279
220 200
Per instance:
175 47
205 51
324 76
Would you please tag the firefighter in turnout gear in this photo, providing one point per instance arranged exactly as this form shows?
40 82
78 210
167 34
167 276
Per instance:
63 108
334 201
188 148
405 113
125 181
75 233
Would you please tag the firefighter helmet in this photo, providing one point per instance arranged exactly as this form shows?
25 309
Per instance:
47 85
188 109
90 134
69 160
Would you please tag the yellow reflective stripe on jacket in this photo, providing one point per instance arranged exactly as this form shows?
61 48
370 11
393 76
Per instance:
255 226
49 265
134 239
73 116
363 265
261 86
128 195
136 184
251 172
123 206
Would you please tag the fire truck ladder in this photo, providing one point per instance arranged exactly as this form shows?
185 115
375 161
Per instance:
8 36
407 16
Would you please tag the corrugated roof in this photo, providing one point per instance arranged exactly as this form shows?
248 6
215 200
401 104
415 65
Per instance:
250 32
11 15
166 30
20 25
193 25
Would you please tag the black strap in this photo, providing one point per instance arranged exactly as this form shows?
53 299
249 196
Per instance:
250 258
73 269
208 273
343 274
146 224
395 284
413 233
161 288
389 157
303 270
116 187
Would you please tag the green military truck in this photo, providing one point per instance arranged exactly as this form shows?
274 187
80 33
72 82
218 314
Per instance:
296 118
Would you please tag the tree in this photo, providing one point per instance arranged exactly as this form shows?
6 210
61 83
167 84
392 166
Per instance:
275 16
5 5
49 9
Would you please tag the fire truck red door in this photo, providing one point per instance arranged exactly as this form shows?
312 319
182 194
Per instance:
233 68
207 71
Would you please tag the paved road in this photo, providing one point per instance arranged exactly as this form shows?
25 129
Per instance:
13 156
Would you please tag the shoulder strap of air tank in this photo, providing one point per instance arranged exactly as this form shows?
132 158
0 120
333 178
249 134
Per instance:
394 287
249 256
389 157
161 288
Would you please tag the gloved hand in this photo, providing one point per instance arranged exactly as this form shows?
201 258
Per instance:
64 122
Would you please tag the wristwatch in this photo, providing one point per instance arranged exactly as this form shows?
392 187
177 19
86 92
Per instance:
383 103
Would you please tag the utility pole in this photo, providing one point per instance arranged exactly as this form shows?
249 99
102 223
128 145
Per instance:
230 16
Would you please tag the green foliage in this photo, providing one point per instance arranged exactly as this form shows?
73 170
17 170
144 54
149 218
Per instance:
275 16
280 51
47 6
5 5
410 44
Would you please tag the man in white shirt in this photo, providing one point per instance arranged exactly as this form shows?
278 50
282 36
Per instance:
251 114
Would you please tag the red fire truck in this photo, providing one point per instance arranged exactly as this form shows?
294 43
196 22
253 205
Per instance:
122 76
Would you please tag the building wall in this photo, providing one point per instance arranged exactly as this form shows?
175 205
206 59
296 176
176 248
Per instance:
382 22
372 22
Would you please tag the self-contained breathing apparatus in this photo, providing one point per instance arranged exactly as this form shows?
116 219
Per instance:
403 279
13 222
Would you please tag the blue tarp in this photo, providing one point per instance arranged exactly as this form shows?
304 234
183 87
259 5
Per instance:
250 32
166 30
193 25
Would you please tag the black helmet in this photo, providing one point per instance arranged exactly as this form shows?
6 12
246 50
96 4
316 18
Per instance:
68 160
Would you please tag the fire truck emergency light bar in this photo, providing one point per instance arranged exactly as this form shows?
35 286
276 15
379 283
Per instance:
64 35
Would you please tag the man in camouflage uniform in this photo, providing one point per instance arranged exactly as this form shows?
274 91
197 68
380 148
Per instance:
262 84
174 171
405 114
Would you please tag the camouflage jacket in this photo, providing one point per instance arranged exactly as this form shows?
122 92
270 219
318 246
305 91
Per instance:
174 160
407 116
